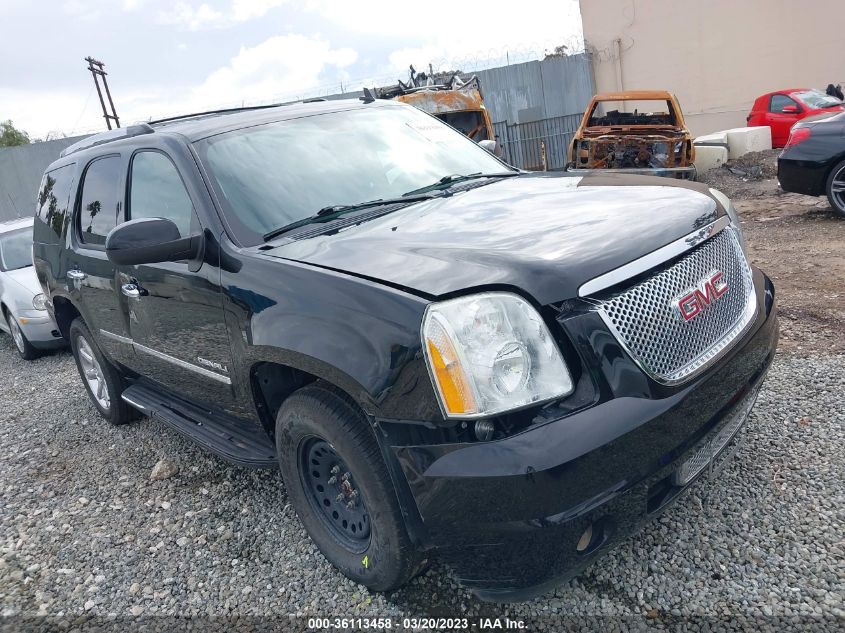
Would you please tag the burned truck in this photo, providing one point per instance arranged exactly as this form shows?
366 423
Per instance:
455 101
647 136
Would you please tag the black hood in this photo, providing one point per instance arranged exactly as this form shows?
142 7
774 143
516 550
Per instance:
546 236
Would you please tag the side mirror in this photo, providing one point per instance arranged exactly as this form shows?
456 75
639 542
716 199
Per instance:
150 240
790 109
491 146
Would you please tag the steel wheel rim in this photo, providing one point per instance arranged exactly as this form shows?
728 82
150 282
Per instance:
333 494
17 334
92 373
837 189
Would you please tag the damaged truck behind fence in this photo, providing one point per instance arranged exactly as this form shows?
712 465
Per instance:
647 136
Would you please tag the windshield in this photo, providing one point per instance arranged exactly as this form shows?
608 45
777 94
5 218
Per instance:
16 249
274 174
816 99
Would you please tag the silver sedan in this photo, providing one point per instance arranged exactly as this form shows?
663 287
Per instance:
23 306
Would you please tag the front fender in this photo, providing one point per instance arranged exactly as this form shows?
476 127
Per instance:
359 335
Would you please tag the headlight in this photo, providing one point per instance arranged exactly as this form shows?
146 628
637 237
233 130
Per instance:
39 302
489 353
732 214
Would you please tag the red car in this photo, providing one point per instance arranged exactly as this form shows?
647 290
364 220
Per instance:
780 110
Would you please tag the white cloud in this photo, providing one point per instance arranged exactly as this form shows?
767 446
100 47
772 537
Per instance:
203 16
279 66
450 34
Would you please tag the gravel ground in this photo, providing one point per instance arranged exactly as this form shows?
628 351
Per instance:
85 531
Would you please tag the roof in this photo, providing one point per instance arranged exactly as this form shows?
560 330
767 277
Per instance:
204 124
634 95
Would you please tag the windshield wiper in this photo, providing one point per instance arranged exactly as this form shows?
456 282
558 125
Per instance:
326 214
452 179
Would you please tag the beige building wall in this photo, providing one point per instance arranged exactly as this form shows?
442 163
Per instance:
717 56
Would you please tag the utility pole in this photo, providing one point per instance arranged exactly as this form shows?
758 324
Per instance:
96 68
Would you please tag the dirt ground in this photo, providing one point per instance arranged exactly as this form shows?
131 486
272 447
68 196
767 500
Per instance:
800 243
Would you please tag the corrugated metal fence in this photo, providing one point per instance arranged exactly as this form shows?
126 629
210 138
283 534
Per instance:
524 144
537 105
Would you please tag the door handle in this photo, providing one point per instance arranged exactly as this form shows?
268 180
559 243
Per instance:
75 273
130 290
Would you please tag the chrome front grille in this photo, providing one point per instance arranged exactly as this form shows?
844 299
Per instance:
646 321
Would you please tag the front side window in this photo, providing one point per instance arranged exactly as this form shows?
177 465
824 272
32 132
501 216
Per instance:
270 175
52 204
157 191
779 102
16 249
98 204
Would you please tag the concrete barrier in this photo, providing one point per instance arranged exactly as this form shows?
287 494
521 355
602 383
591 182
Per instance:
743 140
709 157
716 138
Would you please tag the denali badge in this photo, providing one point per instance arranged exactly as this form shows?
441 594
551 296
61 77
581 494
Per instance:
212 364
690 304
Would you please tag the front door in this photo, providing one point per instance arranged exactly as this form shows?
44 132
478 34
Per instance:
174 309
783 113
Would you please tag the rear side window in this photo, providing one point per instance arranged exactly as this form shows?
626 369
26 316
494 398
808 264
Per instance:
52 204
156 191
99 200
779 102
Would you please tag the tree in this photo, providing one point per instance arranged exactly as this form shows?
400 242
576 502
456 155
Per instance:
11 136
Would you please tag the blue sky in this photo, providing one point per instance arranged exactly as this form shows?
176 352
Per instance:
171 56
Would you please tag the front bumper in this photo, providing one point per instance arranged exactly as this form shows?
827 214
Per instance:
508 515
41 331
683 173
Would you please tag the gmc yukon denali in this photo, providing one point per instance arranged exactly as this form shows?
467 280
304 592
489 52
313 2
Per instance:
442 355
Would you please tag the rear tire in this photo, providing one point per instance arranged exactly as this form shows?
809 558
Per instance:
22 345
835 189
102 381
358 527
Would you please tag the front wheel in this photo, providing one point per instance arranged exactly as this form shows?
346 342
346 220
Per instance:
836 189
340 488
22 344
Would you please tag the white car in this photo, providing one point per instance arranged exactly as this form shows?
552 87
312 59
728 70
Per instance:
24 307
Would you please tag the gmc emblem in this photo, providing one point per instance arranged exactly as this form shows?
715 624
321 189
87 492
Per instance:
690 304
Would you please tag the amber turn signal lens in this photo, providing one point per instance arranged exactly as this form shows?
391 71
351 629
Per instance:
451 380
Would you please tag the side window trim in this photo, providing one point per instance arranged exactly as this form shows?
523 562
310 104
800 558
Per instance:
77 204
786 97
195 226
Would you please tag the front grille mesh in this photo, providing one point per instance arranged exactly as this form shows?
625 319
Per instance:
644 319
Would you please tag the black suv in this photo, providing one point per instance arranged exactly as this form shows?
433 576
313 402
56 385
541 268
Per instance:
438 351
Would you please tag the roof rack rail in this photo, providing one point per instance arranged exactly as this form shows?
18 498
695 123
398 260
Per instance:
210 112
107 137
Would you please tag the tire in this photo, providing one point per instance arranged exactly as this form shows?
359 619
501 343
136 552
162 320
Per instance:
98 373
316 423
22 345
836 179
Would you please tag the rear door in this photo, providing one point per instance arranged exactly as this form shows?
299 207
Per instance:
89 276
174 309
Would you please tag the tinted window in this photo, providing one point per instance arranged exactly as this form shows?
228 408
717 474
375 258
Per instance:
16 249
52 204
157 191
778 103
98 207
273 174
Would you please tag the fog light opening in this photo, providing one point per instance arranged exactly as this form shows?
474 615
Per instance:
597 534
484 430
586 539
